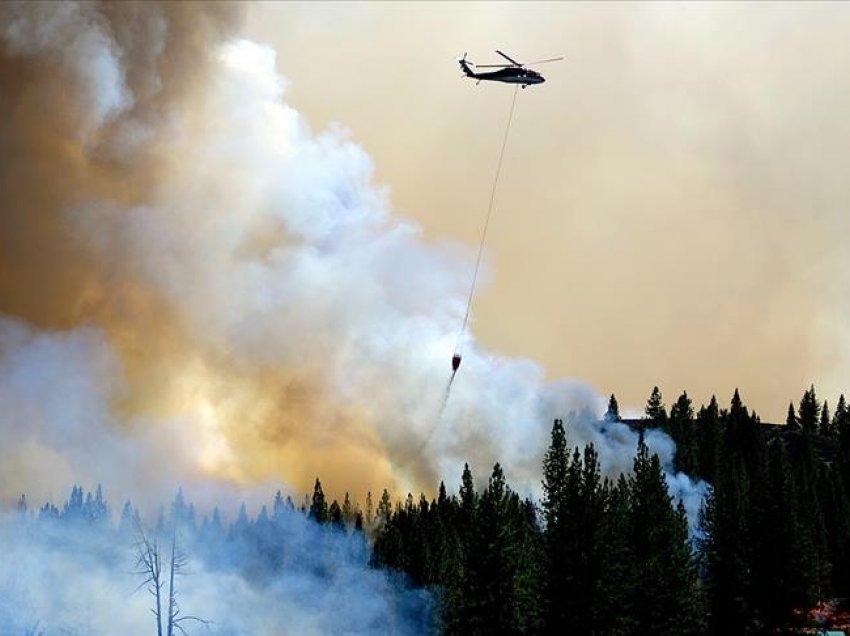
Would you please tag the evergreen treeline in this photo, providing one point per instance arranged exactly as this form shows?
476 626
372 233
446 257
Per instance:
258 547
293 568
602 556
596 555
776 525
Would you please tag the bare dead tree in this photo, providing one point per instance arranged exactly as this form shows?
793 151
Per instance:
150 565
177 567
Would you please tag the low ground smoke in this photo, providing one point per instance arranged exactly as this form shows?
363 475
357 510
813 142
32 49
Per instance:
73 572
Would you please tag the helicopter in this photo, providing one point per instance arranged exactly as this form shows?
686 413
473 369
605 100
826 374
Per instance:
513 73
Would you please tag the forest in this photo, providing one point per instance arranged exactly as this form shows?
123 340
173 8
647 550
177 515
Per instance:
769 553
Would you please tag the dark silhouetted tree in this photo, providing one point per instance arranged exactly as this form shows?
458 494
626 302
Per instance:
726 551
683 431
809 411
335 517
347 510
708 435
614 596
825 424
841 418
319 507
791 420
499 578
613 412
655 411
666 593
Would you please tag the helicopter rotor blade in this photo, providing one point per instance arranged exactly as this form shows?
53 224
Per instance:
496 66
551 59
511 60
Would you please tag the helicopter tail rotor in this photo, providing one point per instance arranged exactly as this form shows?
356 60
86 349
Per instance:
464 65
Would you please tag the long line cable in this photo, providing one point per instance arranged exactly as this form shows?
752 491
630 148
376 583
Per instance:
487 221
426 440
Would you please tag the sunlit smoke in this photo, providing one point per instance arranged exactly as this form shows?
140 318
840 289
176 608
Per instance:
202 290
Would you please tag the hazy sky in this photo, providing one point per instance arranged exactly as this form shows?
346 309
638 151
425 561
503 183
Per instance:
673 207
221 267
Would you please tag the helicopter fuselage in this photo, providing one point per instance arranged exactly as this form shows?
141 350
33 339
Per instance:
510 75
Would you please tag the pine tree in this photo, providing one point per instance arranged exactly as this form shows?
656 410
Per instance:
450 552
498 576
808 474
726 548
841 418
741 443
825 425
655 411
809 410
212 534
613 608
841 425
837 523
388 548
468 497
369 510
347 510
555 465
278 507
528 584
240 529
708 429
589 511
468 505
557 484
335 517
613 412
72 511
100 509
385 507
181 513
683 431
48 512
442 497
666 595
791 420
781 573
572 508
319 507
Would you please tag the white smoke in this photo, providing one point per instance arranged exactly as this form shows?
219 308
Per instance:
274 250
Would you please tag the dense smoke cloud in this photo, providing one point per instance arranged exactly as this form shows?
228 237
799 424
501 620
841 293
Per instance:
200 289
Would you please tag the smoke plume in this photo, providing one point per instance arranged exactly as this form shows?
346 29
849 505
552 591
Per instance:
200 289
